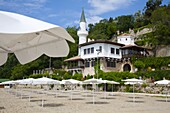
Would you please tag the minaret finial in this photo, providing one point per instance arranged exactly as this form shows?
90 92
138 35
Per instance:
83 19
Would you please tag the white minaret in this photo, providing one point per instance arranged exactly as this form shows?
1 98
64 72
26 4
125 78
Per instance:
82 33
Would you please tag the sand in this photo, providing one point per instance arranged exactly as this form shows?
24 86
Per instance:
60 102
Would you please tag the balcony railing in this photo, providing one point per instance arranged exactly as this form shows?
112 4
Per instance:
133 55
75 67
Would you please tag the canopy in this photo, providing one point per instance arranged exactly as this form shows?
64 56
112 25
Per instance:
45 80
133 80
110 82
27 81
71 81
29 38
93 81
162 82
7 82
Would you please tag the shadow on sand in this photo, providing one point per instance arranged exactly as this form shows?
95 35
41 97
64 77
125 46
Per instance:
163 100
37 100
52 105
97 102
136 101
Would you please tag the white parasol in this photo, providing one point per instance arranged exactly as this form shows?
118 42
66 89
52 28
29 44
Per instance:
29 38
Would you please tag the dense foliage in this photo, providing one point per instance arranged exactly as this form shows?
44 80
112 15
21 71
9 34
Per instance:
154 62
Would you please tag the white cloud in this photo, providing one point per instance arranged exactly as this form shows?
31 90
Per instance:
23 6
104 6
93 19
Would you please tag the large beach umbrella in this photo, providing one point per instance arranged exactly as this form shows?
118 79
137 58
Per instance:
8 82
29 38
133 81
93 81
27 81
162 82
165 83
45 81
109 82
71 82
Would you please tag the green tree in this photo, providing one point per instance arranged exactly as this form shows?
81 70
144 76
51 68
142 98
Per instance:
125 22
104 30
161 25
73 46
139 64
151 5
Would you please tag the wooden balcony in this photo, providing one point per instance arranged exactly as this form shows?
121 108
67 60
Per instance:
75 67
133 55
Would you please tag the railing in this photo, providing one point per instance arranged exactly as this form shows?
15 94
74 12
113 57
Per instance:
75 67
133 55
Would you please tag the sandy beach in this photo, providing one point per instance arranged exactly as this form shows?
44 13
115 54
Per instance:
30 101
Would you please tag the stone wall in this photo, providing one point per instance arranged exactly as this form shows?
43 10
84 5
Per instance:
163 51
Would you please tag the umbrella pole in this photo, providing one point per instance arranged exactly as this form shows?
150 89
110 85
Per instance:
56 91
105 91
71 91
86 90
133 94
29 98
93 94
112 88
42 103
166 96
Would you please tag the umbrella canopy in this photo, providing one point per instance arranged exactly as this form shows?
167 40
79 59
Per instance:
7 82
162 82
93 81
110 82
71 81
45 80
29 38
132 83
27 81
133 80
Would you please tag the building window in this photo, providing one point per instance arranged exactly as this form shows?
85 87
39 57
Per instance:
117 51
113 50
126 39
92 50
87 64
92 63
84 51
88 50
111 64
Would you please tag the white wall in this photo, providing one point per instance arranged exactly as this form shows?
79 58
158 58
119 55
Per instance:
106 51
127 40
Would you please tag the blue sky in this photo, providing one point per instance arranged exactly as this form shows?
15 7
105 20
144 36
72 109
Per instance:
67 12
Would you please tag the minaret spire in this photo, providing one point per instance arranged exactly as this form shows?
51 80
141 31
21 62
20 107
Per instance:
83 19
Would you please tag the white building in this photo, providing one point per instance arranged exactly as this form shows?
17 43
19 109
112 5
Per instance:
112 56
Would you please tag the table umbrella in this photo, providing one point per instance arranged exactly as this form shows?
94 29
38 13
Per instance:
29 38
45 81
27 81
71 82
165 83
93 81
109 82
133 81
